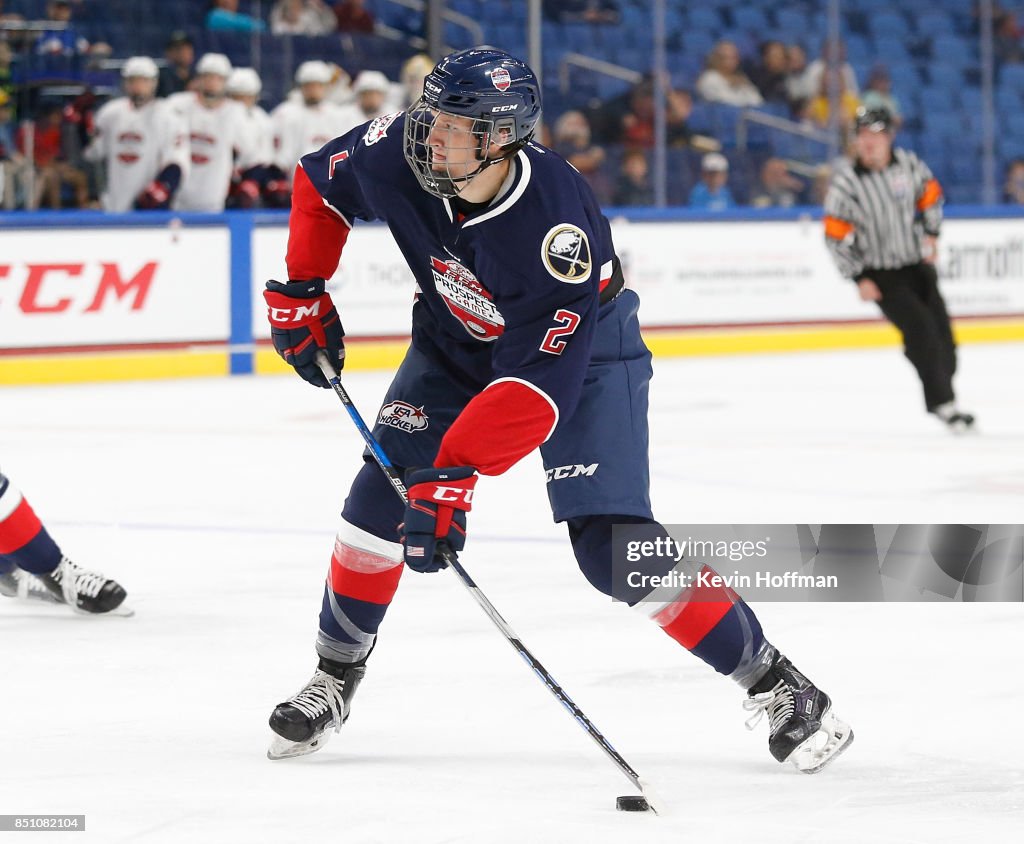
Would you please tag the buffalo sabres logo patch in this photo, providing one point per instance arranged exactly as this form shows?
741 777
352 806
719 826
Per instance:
378 128
566 253
467 300
403 416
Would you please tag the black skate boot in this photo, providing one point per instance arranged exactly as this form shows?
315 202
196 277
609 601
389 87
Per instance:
86 591
303 722
24 586
958 421
802 728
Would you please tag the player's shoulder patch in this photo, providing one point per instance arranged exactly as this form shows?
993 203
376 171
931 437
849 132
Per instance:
565 252
378 128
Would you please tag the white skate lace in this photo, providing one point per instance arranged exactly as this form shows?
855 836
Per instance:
27 585
778 703
85 582
323 692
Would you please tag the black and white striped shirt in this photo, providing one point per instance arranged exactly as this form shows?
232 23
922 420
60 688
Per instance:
875 220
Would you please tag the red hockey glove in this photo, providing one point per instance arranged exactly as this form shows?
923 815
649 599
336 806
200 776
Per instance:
436 515
157 195
247 193
302 321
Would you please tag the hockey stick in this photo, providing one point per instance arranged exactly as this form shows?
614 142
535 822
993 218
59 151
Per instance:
399 485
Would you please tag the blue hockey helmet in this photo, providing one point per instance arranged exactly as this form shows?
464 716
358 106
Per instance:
498 92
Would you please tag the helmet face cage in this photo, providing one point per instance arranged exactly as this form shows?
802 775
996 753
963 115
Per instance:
497 92
445 178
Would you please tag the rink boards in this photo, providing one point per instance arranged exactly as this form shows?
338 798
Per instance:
88 296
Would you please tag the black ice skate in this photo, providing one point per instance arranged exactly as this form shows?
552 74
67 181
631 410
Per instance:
303 722
956 420
86 591
802 728
24 586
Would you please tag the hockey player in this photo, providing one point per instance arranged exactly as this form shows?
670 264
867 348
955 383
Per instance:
141 141
33 567
244 87
372 91
301 127
218 140
883 212
523 336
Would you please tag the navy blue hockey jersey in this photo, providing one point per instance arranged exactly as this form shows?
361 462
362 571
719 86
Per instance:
507 295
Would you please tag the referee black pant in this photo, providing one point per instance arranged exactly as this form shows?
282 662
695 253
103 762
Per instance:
911 301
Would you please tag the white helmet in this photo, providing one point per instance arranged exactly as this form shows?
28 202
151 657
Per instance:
313 71
142 66
371 80
214 63
244 81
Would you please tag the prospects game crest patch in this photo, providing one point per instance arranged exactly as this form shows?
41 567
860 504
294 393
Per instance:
566 253
500 79
467 300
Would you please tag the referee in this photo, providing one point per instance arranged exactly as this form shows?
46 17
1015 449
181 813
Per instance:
882 217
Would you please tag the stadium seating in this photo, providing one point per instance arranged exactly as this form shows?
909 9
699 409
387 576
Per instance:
929 46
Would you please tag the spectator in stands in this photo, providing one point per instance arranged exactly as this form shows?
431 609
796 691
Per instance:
637 124
15 175
634 183
371 89
9 18
878 94
7 85
819 110
66 41
723 81
830 58
52 169
712 193
778 188
1013 185
678 108
572 141
353 16
582 11
796 82
176 75
301 17
1007 38
771 73
224 16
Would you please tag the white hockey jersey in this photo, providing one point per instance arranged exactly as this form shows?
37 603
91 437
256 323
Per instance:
136 144
216 136
299 129
260 132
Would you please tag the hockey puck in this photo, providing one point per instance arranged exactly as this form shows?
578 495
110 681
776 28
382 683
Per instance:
632 803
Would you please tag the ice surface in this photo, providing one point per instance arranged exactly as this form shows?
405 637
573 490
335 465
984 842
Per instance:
215 503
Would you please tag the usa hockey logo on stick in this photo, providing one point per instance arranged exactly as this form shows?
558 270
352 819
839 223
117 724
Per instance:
566 253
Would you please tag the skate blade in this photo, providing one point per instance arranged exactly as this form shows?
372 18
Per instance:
282 748
120 611
823 747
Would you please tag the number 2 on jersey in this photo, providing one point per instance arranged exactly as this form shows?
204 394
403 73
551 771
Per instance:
558 336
